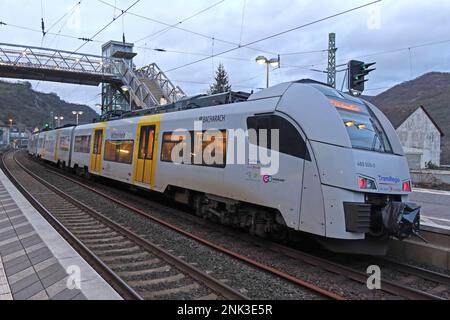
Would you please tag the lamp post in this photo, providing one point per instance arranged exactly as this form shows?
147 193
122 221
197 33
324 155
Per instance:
77 114
274 62
10 123
59 119
126 89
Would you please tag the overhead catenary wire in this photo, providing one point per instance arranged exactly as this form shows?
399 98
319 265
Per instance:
289 53
107 25
344 61
68 13
59 34
160 32
277 34
366 55
209 37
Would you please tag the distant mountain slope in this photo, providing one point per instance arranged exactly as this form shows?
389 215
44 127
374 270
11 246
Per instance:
432 90
32 109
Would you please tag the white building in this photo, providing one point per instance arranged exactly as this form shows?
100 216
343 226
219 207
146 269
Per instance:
4 136
419 134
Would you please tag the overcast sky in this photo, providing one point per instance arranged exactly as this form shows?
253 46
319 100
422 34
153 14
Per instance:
385 26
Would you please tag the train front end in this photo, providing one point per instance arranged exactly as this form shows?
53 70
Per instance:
364 174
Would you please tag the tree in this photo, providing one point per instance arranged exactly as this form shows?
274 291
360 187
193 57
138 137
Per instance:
221 84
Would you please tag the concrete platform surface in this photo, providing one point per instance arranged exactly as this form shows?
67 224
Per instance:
36 263
435 207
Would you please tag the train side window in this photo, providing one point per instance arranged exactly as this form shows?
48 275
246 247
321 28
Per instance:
119 151
82 144
291 142
50 145
64 143
171 140
218 152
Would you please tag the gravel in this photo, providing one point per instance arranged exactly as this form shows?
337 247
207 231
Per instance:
254 283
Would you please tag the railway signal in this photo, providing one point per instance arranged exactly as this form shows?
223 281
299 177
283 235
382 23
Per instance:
358 70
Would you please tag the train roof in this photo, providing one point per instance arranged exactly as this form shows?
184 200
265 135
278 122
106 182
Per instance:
205 101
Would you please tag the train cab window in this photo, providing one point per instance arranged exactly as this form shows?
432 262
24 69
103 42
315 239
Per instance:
290 140
82 144
364 129
119 151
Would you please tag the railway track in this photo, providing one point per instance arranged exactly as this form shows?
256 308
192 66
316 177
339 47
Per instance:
396 288
133 266
320 292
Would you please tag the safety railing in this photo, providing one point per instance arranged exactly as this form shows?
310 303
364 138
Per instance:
170 92
45 59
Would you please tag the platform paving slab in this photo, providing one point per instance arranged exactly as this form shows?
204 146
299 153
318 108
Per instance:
34 258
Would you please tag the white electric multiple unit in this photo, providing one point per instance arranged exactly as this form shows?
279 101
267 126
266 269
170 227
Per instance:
340 162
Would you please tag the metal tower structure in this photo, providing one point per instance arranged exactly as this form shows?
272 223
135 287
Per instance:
332 60
113 97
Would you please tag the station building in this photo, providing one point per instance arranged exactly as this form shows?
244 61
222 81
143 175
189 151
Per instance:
18 137
419 134
4 136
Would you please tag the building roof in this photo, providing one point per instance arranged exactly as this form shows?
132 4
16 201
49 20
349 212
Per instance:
400 114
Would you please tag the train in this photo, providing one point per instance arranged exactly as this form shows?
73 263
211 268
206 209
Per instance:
299 158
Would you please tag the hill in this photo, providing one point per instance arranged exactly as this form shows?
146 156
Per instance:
32 109
432 90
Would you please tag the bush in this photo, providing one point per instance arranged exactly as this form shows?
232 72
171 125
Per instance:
431 165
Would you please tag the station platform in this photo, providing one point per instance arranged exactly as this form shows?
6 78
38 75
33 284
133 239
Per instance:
36 263
435 214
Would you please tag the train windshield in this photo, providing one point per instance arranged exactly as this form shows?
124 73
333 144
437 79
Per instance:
364 131
363 128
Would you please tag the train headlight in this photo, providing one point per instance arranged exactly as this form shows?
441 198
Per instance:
407 186
367 184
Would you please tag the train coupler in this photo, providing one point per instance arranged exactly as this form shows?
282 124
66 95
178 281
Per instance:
402 220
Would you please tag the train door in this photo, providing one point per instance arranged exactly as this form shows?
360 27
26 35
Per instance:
96 158
56 151
144 161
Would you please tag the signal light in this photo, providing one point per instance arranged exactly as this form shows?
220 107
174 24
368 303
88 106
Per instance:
358 70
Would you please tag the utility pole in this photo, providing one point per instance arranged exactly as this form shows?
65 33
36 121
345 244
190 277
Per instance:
52 120
332 60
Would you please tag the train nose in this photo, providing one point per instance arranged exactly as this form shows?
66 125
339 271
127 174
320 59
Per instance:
401 220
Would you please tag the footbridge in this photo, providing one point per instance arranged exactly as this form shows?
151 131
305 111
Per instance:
147 87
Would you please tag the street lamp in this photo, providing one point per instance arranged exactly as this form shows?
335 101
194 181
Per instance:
10 123
275 62
126 89
77 114
59 119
